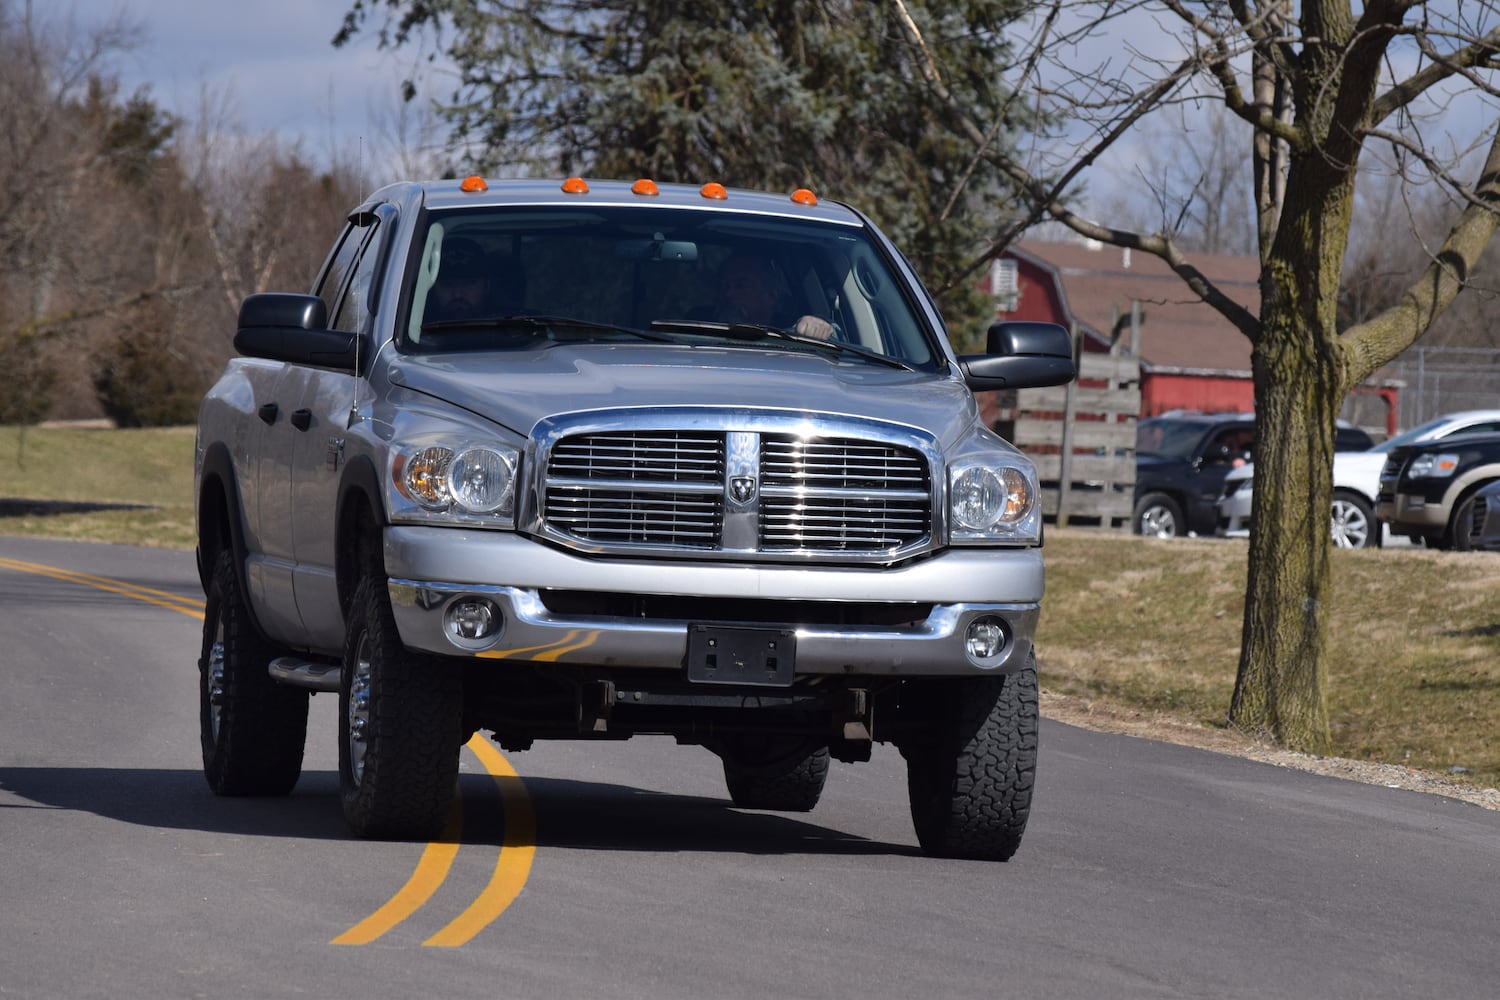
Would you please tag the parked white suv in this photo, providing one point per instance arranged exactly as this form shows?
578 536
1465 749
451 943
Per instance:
1356 481
526 462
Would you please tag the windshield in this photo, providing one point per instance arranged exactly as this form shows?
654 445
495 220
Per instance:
529 277
1169 437
1423 431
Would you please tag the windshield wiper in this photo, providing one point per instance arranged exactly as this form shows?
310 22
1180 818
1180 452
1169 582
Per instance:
763 331
534 322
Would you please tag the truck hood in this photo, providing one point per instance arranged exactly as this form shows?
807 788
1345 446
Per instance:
516 389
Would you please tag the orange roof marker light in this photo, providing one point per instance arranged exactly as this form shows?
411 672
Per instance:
473 183
802 196
575 185
645 186
714 190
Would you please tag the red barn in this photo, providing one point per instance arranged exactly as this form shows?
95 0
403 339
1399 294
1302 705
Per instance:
1192 358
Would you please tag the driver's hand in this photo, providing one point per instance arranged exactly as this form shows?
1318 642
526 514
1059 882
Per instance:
815 327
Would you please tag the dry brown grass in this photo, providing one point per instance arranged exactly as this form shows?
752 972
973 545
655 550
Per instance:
1414 646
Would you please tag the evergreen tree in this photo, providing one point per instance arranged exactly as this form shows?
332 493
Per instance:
774 94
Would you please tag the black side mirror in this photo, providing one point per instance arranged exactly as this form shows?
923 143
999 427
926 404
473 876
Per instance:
281 326
1021 355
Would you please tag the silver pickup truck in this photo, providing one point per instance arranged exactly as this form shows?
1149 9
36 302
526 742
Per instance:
584 460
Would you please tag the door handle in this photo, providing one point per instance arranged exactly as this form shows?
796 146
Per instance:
268 412
302 419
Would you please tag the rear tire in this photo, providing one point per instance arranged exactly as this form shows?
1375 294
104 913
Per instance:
400 727
253 729
793 783
970 779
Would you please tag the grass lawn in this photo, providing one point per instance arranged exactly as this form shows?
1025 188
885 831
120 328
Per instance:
152 468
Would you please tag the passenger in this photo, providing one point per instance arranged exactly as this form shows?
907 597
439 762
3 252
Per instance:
750 291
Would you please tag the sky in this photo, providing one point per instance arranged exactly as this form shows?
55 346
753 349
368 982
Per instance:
270 61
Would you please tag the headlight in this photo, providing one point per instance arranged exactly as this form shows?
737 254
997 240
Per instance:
457 478
482 481
993 503
1432 466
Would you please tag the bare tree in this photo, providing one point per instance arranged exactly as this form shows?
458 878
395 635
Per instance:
1321 84
53 156
49 149
1189 182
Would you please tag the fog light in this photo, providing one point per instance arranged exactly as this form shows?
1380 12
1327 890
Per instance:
472 619
986 639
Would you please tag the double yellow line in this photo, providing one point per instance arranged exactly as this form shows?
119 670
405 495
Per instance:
161 598
512 866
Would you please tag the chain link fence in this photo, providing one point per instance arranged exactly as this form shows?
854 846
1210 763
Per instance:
1439 380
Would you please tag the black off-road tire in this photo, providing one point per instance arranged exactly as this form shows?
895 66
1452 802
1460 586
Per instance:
400 727
793 784
970 780
253 729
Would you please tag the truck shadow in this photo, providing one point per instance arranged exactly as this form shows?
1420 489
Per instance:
571 814
586 815
176 799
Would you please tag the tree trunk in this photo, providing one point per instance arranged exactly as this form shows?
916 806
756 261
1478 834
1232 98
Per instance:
1279 690
1300 377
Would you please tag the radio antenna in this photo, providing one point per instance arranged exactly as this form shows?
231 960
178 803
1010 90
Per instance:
359 305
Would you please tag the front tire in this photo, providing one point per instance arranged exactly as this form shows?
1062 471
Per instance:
1461 536
253 730
1158 516
970 779
400 727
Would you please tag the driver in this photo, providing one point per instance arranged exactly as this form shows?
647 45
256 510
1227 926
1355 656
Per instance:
750 291
462 288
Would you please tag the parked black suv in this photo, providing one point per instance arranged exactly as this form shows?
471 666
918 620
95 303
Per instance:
1181 461
1428 490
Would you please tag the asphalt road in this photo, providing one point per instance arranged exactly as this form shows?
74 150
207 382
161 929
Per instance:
621 870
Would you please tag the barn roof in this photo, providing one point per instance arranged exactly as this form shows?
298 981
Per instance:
1179 332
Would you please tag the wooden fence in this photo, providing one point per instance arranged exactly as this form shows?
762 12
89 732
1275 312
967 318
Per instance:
1082 438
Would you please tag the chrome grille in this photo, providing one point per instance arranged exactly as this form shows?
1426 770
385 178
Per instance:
636 517
673 490
840 463
832 494
661 456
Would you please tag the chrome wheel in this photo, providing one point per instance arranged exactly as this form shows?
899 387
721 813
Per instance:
1354 524
216 682
1351 528
1158 522
359 711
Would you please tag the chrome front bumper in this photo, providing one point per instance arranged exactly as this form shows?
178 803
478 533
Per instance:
432 568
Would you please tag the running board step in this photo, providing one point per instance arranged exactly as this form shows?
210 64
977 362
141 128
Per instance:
315 675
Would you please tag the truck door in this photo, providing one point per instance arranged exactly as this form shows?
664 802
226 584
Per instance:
326 404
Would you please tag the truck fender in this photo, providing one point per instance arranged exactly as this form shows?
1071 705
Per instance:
361 518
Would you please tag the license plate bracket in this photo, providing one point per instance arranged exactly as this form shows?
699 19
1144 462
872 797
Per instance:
760 657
